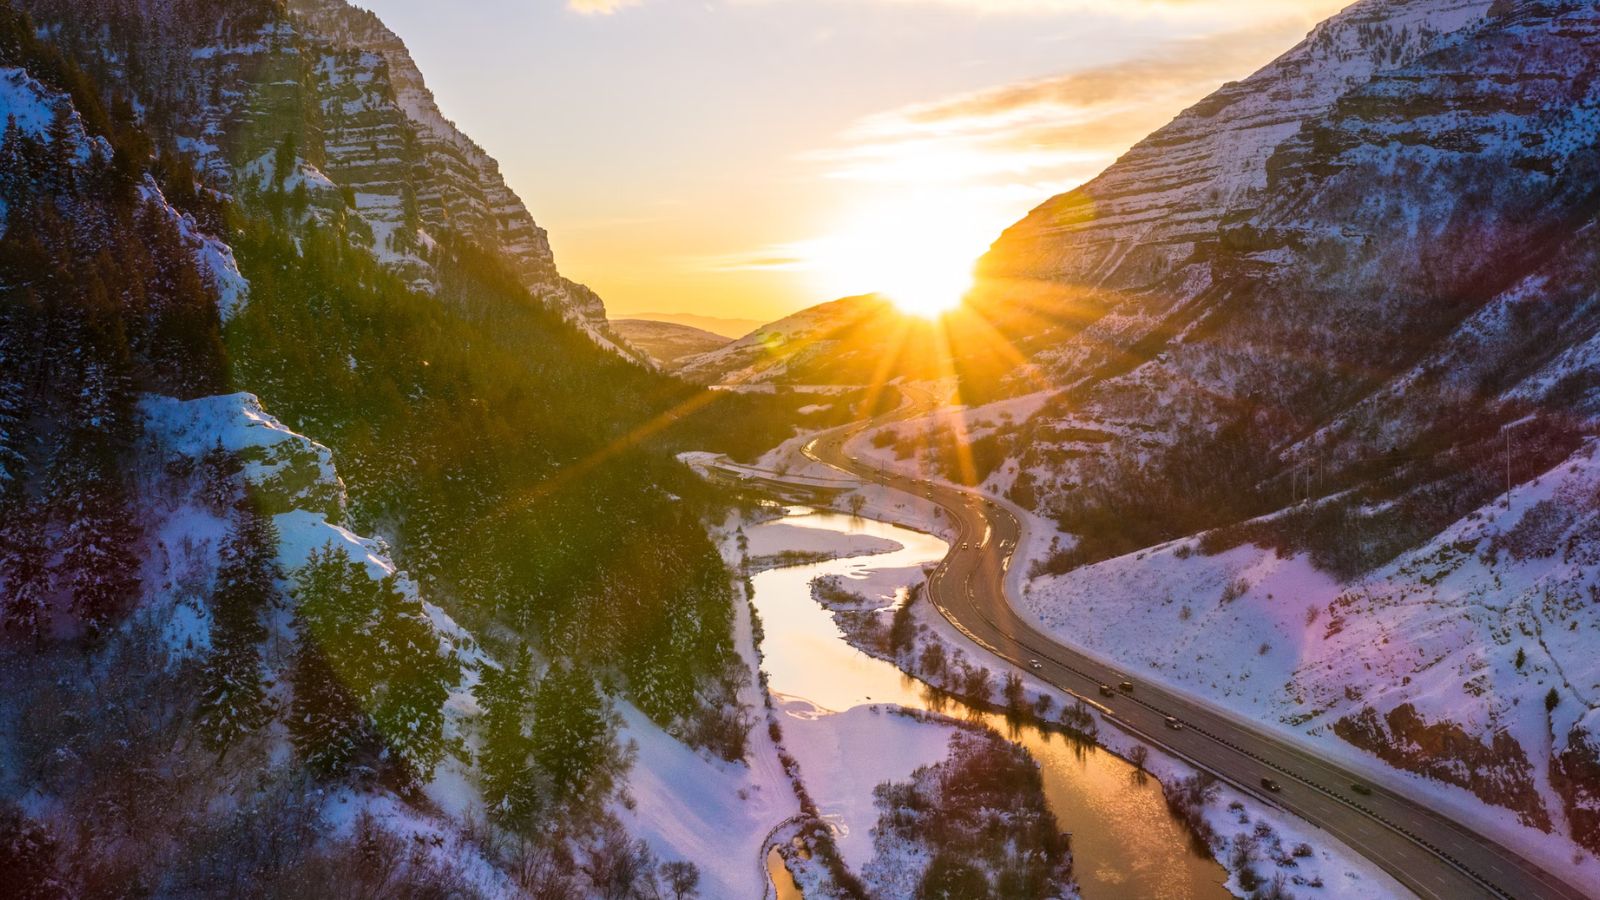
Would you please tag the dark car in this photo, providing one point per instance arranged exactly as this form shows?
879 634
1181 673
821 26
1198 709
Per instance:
1126 686
1271 785
1174 724
1361 789
1106 691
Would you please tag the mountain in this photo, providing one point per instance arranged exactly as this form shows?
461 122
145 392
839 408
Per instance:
1114 256
304 445
728 328
774 351
1291 351
326 105
666 342
863 341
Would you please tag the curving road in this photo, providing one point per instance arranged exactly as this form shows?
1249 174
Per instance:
1427 852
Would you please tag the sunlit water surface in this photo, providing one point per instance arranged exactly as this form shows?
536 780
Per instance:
1125 843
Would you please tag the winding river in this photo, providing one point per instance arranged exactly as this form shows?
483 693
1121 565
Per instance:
1125 843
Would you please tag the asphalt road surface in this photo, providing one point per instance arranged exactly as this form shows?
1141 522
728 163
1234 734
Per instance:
1423 849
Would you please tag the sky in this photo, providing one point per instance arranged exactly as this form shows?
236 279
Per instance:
749 158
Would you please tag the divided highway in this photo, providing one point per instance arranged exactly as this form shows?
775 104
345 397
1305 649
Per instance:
1424 850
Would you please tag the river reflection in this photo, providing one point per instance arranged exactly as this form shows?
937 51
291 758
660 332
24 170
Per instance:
1125 843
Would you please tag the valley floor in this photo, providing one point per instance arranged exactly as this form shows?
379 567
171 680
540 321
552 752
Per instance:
841 757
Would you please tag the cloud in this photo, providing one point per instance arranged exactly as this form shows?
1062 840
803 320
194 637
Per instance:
792 257
599 7
1061 128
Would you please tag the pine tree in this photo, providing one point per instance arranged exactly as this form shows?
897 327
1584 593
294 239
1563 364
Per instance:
284 160
14 435
371 666
326 721
62 177
16 177
570 733
97 565
233 699
24 570
220 486
327 725
23 573
511 789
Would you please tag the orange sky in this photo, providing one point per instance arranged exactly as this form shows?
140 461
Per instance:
747 158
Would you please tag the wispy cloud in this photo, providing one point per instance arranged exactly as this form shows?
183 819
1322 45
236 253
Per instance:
1066 123
600 7
790 257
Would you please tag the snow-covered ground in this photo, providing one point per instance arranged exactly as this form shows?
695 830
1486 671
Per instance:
1442 629
291 471
845 755
1330 870
717 814
971 423
1277 640
774 538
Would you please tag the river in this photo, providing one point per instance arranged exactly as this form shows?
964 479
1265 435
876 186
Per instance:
1125 843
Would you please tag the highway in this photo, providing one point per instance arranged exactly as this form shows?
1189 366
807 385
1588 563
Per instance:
1429 853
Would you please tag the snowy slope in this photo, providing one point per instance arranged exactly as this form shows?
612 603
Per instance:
1324 317
295 475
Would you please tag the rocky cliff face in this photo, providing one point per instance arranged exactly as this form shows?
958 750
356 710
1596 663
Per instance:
322 104
455 186
1130 239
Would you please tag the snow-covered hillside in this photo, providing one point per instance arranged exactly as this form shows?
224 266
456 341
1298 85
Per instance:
1469 659
247 676
1311 331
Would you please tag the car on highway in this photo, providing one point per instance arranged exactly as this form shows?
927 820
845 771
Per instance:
1035 664
1126 687
1271 785
1174 724
1361 789
1106 691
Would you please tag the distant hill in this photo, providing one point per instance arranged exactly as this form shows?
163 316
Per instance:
731 328
667 342
832 343
856 341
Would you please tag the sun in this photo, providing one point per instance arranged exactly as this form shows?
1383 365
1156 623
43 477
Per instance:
927 287
920 256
